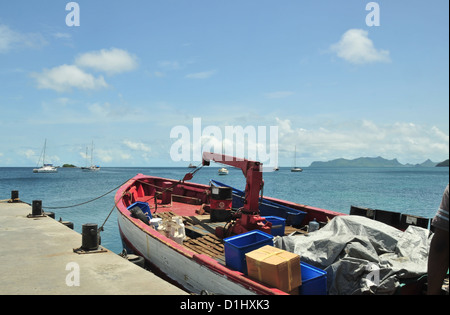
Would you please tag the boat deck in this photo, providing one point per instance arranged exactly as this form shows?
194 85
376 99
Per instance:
168 198
200 234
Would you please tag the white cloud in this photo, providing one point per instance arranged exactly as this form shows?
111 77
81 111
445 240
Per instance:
169 65
145 150
107 110
66 77
356 47
138 146
7 38
159 74
29 154
440 135
60 35
406 141
105 156
201 75
111 61
10 39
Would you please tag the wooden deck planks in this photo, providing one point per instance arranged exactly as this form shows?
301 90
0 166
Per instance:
206 243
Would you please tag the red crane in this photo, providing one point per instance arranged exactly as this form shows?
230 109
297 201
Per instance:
248 217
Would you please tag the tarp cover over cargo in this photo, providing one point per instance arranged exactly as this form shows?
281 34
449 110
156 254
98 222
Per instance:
362 256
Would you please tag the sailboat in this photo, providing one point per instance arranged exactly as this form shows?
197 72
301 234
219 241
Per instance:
295 168
45 168
92 168
223 170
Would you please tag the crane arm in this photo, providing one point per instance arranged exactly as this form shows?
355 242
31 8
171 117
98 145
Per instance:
252 171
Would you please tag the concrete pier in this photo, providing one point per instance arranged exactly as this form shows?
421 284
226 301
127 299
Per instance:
37 258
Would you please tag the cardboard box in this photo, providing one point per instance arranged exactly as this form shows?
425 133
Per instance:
275 267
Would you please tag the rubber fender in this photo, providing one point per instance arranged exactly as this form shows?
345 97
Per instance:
67 223
50 214
137 260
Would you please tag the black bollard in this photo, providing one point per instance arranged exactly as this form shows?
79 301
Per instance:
90 237
14 195
36 209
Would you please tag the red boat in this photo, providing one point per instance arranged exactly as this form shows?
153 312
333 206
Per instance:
193 257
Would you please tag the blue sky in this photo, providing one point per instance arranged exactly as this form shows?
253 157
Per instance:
132 71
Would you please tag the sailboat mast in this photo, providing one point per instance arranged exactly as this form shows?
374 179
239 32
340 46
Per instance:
92 151
295 156
43 156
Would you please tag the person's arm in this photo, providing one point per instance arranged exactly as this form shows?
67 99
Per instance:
438 261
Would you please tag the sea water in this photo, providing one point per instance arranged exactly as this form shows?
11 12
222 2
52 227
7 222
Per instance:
416 191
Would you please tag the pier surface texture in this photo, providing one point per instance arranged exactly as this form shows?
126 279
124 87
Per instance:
37 258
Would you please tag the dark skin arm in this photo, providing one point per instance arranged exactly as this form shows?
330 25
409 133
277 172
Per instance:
438 261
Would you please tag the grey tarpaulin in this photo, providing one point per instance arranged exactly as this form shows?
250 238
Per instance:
362 256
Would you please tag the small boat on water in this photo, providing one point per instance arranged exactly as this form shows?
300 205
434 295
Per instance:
296 169
92 167
182 229
45 168
223 171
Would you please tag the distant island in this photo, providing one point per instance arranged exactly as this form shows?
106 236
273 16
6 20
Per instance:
374 162
68 165
443 164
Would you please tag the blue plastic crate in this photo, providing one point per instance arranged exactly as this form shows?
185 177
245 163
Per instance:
314 280
143 206
278 225
237 246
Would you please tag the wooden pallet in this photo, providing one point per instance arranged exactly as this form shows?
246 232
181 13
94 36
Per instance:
209 245
203 242
165 215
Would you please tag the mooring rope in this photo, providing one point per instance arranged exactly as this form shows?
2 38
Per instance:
89 201
192 173
188 176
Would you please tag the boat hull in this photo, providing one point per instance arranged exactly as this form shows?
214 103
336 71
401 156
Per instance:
45 170
90 169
